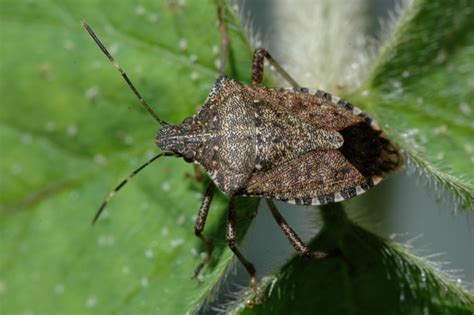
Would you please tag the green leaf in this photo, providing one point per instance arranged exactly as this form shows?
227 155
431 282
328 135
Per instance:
422 90
71 129
372 276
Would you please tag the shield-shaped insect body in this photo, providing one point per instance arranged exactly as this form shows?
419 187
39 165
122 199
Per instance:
296 145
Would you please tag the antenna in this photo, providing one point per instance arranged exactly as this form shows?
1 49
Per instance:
122 73
125 181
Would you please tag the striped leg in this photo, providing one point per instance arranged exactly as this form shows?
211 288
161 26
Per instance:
199 226
257 68
294 239
231 241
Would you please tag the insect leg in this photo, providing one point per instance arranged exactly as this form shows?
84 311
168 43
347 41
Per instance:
231 241
224 39
257 68
294 239
201 222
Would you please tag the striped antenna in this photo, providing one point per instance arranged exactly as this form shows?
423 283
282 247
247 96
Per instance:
122 73
125 181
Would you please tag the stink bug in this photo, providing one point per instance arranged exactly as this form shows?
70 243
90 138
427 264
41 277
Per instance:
297 145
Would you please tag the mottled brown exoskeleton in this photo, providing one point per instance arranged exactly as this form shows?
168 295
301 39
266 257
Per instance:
297 145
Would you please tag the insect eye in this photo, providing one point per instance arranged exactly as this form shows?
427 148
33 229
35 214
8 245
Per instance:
188 156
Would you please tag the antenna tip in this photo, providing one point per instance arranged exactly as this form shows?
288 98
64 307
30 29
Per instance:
85 25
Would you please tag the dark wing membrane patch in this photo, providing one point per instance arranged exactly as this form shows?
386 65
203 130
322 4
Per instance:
369 151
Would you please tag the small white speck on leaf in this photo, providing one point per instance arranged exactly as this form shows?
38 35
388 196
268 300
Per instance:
59 289
193 58
469 148
16 169
138 69
441 130
396 84
140 10
165 186
91 301
3 287
96 65
181 219
441 57
26 138
149 154
128 140
176 243
92 93
465 109
183 44
114 48
125 270
100 159
50 126
217 63
153 18
105 215
194 76
74 195
69 44
71 130
149 253
144 282
106 240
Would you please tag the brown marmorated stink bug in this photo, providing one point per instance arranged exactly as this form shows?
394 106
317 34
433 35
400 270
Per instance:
301 146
